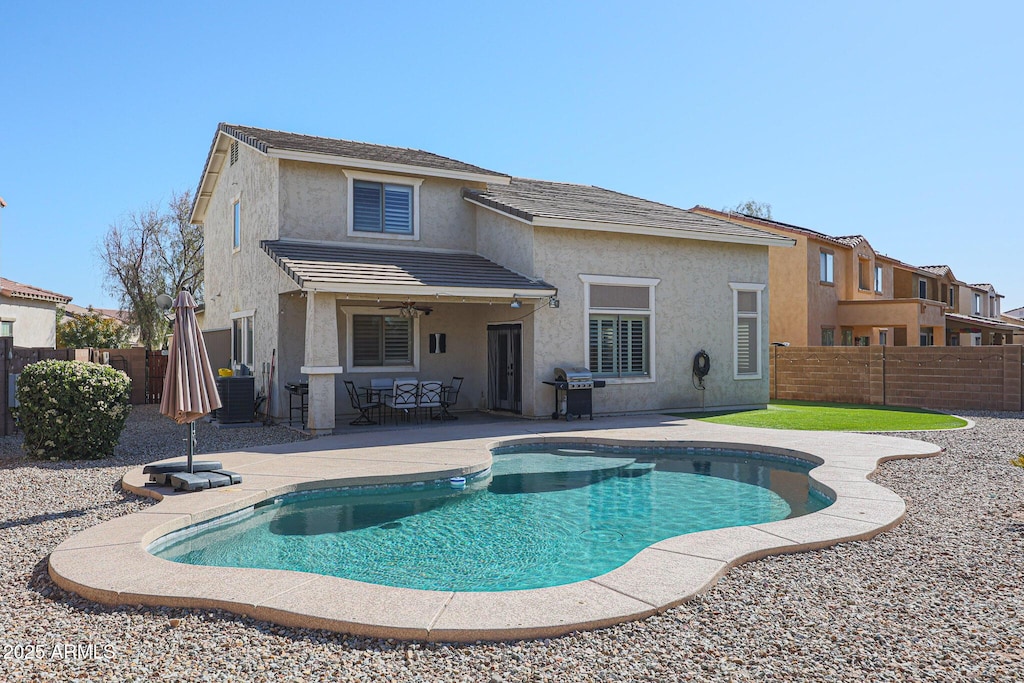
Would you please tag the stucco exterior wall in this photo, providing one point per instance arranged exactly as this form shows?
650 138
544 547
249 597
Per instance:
790 279
823 298
693 311
314 206
35 322
505 241
246 279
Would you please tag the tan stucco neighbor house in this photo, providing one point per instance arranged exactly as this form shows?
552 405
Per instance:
358 261
838 291
29 314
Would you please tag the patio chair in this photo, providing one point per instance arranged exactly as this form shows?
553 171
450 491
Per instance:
378 387
430 396
449 397
363 406
402 397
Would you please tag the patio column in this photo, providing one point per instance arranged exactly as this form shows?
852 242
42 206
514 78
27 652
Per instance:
321 360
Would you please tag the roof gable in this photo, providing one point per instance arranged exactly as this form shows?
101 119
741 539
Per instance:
333 151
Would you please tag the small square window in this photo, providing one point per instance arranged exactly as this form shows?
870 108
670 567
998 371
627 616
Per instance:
828 336
6 328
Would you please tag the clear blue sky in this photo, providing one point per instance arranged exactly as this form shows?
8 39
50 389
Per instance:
901 121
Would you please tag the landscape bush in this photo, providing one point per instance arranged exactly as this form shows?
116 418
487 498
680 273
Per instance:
72 410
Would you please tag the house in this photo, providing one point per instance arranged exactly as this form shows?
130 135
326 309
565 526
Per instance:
123 318
1015 317
838 291
364 261
29 314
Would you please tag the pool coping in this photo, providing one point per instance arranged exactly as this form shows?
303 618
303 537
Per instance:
109 563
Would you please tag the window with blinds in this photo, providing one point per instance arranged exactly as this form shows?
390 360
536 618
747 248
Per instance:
618 345
619 333
382 207
381 340
748 325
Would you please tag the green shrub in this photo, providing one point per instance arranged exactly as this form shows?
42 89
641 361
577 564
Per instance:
72 410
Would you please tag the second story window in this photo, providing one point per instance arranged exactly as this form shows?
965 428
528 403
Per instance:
878 279
827 267
922 289
863 270
977 304
382 207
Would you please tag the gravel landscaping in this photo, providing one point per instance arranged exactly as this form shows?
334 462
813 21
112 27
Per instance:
938 598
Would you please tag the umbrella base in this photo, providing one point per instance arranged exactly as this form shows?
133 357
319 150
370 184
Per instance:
161 474
185 481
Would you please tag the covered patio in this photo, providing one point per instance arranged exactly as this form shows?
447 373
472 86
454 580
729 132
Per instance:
368 313
990 332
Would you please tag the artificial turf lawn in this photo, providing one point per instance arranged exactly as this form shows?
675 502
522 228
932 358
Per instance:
837 417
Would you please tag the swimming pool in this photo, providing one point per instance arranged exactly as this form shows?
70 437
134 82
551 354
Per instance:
542 516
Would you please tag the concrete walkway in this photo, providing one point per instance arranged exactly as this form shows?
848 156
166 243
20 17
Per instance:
109 563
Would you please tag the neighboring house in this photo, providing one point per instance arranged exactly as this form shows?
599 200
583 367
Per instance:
838 291
1015 316
29 314
72 311
368 261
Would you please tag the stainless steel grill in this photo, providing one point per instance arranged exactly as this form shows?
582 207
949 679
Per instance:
575 378
574 392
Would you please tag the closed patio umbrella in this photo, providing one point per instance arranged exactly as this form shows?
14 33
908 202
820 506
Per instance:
190 387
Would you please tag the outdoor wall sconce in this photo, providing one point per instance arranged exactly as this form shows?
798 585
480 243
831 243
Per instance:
438 342
516 303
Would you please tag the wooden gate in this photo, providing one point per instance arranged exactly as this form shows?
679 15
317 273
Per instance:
156 366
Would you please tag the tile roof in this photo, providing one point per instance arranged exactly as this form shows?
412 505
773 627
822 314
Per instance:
327 266
16 289
1015 312
265 140
113 313
536 200
848 241
979 321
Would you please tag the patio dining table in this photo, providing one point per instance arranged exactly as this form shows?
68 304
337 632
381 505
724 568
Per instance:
380 388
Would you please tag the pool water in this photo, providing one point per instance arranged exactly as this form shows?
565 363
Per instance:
543 517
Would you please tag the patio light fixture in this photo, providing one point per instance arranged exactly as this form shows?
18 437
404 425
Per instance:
516 303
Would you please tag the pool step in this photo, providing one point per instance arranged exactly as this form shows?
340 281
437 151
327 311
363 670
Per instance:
637 469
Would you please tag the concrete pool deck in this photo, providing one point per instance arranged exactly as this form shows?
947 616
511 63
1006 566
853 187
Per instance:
109 563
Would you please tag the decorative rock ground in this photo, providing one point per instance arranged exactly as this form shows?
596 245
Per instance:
938 598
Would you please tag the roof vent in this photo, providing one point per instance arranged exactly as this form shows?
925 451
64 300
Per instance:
234 152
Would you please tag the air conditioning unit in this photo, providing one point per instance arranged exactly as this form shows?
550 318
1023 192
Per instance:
238 399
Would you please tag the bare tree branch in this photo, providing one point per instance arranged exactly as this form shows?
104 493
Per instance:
148 253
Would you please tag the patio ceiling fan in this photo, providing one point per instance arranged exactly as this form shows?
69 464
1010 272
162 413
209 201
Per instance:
409 309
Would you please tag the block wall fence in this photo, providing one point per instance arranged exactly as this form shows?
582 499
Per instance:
946 378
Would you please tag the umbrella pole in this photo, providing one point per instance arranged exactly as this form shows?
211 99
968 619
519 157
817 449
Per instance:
191 444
